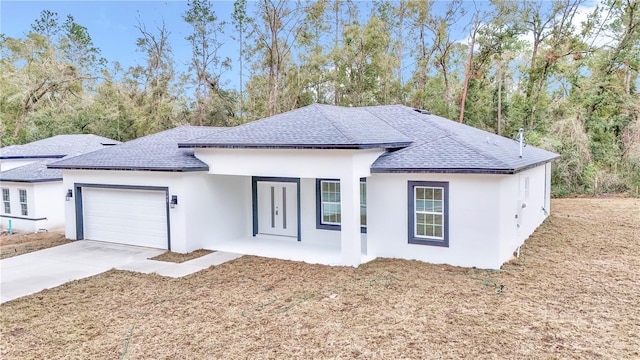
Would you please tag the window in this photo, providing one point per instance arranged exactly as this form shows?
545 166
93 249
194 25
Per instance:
328 204
363 203
428 213
23 202
6 200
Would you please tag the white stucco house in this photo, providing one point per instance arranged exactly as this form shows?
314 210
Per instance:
322 184
32 194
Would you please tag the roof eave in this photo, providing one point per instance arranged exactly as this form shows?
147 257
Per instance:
18 157
495 171
391 145
441 171
129 168
31 180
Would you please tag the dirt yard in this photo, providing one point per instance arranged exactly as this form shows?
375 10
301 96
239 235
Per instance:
18 244
573 294
174 257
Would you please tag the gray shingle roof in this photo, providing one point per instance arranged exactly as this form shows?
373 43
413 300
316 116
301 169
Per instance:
157 152
427 143
418 142
441 145
56 146
31 173
312 127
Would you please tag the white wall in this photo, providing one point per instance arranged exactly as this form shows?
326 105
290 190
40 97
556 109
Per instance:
484 229
19 225
8 164
473 219
218 209
49 199
45 200
520 214
297 163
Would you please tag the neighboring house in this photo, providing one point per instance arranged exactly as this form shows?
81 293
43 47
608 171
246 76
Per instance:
33 195
323 184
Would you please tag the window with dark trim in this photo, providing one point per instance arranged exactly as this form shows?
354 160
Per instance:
428 213
23 202
6 200
328 204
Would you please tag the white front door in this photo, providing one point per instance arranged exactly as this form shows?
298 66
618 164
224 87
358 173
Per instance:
278 208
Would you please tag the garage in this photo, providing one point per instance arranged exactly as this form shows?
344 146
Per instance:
132 216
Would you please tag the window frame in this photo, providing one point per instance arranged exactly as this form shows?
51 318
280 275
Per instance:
24 205
6 208
319 206
413 238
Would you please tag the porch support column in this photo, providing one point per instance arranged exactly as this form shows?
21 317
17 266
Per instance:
350 219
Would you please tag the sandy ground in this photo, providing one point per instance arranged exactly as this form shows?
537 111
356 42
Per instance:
18 244
174 257
573 294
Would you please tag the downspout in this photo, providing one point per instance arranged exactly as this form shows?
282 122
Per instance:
544 196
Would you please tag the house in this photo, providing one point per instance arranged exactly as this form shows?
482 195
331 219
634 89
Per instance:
32 194
322 184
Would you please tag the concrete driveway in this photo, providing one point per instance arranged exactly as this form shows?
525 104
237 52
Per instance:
33 272
30 273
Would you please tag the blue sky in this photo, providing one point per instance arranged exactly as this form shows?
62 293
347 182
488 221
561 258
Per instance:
111 25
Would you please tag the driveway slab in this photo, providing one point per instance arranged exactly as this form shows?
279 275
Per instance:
30 273
33 272
182 269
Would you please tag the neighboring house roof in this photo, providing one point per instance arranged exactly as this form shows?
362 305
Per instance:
56 147
32 173
47 151
156 152
311 127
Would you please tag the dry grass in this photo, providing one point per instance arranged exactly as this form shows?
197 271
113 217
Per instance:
18 244
573 294
174 257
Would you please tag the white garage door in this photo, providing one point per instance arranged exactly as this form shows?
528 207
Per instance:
133 217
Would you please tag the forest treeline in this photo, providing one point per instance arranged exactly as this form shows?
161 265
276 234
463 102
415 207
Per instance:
565 70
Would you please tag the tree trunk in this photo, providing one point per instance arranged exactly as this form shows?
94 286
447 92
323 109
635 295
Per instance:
465 87
499 76
241 79
335 46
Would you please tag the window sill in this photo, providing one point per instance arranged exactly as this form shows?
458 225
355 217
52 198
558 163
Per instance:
421 241
363 230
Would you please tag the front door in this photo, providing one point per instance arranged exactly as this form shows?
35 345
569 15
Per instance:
278 208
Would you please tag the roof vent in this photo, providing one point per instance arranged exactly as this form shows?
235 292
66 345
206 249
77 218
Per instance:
521 140
421 111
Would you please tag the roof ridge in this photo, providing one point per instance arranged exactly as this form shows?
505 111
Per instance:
228 128
368 109
317 108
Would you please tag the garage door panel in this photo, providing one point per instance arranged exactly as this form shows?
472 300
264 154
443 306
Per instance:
155 228
133 218
125 216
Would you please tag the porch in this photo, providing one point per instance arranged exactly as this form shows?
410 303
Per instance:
276 205
287 249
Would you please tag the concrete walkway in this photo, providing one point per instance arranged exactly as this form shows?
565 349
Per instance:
33 272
